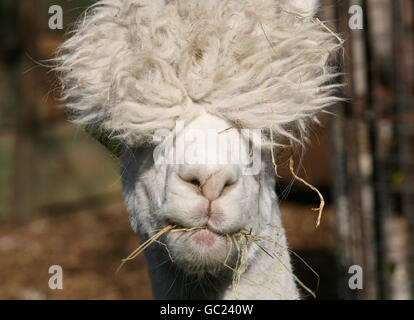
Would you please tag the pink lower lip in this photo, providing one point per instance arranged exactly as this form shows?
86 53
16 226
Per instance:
204 237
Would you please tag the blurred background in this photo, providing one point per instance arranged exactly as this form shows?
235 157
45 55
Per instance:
61 195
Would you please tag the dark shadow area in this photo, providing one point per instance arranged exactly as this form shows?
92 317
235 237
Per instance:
324 264
304 196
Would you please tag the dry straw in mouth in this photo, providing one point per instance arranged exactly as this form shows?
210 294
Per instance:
145 245
240 241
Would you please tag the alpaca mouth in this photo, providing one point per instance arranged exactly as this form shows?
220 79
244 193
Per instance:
179 227
195 229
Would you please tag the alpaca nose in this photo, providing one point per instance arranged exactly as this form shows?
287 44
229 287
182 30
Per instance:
211 183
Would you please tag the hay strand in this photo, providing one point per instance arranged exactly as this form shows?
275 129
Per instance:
323 25
241 246
144 245
188 229
255 239
272 152
322 201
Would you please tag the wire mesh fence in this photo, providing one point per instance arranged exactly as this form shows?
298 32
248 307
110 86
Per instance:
373 137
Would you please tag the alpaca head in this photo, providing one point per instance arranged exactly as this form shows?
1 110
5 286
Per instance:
136 68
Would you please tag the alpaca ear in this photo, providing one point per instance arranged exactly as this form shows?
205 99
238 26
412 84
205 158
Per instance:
307 8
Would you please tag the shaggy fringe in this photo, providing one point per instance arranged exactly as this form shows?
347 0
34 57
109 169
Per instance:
131 67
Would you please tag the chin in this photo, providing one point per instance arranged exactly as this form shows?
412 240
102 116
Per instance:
200 251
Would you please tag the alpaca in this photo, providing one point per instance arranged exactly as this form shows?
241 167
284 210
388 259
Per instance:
134 68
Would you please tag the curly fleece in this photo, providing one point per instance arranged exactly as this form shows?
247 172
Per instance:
131 67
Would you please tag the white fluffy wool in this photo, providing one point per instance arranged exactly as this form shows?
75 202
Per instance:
134 66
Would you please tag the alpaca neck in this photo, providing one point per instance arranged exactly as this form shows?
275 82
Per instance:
171 283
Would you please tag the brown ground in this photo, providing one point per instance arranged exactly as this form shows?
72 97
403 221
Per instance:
89 248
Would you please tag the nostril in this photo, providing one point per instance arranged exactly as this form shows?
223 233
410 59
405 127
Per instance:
231 181
192 181
228 186
212 185
195 182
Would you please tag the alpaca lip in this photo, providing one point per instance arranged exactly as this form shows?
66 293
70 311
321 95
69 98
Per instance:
201 235
196 229
193 229
205 237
